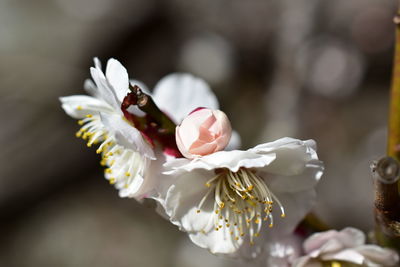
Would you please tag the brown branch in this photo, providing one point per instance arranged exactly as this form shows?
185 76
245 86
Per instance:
386 171
386 174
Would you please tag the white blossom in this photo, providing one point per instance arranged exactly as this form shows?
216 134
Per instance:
347 245
225 200
133 165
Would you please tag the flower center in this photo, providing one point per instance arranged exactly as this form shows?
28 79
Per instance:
242 202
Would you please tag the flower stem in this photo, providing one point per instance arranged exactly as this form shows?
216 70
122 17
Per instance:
387 200
155 126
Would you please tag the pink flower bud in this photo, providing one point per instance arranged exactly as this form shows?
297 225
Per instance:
203 132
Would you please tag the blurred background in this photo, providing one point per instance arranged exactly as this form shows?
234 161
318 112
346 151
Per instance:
304 68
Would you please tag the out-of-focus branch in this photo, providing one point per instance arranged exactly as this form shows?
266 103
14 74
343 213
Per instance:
393 148
386 171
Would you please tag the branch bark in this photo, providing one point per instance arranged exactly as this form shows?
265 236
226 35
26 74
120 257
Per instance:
386 171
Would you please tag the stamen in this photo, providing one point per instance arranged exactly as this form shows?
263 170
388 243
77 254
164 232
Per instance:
124 165
242 201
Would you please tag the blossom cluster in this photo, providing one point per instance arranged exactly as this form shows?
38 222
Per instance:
174 145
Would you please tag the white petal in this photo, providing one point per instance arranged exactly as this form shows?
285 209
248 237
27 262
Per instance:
179 94
307 179
331 245
232 160
306 261
378 255
91 88
181 206
97 63
217 242
104 89
153 176
329 248
182 200
133 188
117 76
296 166
78 106
348 255
297 205
127 135
317 240
292 155
351 237
164 183
235 142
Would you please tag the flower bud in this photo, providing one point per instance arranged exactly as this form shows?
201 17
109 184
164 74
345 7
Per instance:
203 132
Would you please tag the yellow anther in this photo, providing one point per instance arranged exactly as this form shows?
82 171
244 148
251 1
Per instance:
99 150
207 184
271 225
250 187
251 243
236 238
241 234
78 134
126 186
221 205
256 234
198 211
216 211
108 170
216 228
79 107
228 225
127 174
112 180
81 122
89 116
257 221
283 215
